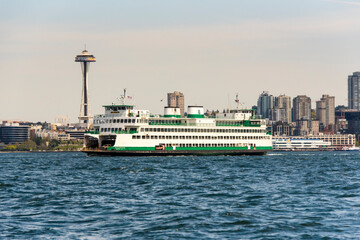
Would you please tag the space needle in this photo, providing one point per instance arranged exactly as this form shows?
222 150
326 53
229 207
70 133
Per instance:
85 59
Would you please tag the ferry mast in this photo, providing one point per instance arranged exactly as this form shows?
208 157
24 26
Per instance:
85 59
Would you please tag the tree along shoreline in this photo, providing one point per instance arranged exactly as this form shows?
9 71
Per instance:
37 144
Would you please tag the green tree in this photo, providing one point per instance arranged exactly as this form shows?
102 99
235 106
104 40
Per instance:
54 143
27 146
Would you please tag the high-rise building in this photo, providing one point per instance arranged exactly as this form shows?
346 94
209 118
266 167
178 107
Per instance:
282 109
325 111
264 104
85 59
301 108
176 99
354 91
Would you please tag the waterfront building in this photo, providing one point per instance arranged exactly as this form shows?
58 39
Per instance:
353 119
265 104
307 127
283 129
301 108
77 134
45 133
14 132
176 100
341 124
354 91
325 112
338 141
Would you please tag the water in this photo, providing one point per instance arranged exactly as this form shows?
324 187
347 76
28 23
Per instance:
307 195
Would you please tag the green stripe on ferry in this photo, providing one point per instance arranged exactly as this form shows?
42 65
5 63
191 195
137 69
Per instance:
188 148
195 116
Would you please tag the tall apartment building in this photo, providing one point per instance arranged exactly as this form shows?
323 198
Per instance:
301 108
325 111
282 109
176 99
264 104
354 91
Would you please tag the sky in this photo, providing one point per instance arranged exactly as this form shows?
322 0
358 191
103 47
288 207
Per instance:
210 50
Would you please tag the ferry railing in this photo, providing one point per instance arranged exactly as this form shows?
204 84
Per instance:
168 123
245 123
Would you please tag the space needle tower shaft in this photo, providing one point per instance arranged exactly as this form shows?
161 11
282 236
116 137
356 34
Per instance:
85 59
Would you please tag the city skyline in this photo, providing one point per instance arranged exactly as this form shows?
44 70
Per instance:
209 50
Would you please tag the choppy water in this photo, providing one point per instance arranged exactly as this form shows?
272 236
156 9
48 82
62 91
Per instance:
279 196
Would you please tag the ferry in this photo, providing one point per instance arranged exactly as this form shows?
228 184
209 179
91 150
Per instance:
124 130
299 144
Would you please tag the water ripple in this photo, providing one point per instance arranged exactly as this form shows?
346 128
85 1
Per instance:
293 195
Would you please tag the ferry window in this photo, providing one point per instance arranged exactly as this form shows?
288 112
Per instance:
133 121
146 129
141 129
102 129
121 120
133 137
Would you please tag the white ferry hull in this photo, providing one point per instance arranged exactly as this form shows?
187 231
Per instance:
177 152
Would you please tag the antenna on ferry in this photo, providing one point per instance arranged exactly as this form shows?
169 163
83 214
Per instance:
122 97
237 101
